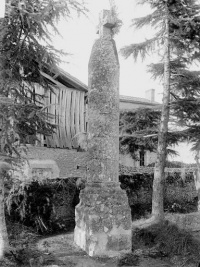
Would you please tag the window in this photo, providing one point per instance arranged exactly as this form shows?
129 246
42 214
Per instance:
142 158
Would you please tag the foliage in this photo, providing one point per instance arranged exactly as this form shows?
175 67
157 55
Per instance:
136 182
177 41
115 16
31 204
128 260
159 20
184 82
25 51
34 204
179 196
139 132
184 28
134 126
23 249
184 25
169 241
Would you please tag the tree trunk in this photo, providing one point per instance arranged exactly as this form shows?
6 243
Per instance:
159 174
197 179
4 243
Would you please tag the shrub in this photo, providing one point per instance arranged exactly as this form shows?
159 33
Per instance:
179 196
169 241
43 206
128 260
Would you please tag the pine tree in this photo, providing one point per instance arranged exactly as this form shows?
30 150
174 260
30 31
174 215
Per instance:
176 21
160 16
139 132
185 83
25 51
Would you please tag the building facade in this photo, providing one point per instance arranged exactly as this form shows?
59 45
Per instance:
67 109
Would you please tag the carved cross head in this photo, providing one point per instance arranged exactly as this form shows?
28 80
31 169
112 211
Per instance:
106 24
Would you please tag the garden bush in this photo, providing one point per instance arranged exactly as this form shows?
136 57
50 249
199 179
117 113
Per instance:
180 196
48 207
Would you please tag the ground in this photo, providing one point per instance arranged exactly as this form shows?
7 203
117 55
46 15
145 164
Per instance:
31 249
66 253
60 251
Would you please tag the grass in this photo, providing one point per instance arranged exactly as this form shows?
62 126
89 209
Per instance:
128 259
156 241
168 240
23 251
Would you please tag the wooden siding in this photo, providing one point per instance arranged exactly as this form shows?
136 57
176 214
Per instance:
66 109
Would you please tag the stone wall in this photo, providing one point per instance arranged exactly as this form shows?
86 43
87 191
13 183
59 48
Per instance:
70 162
67 163
54 163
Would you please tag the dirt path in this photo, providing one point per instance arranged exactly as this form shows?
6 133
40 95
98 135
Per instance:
60 251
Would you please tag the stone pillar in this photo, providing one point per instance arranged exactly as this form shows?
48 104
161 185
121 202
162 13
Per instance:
103 216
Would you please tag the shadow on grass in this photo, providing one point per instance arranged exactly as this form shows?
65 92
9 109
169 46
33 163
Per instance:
162 241
128 259
166 240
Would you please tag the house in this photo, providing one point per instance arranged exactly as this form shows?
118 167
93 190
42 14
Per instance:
129 102
68 104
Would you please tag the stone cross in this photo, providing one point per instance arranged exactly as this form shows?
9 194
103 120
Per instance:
103 217
106 24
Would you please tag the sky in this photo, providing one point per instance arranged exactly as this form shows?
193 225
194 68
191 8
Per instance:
2 9
79 35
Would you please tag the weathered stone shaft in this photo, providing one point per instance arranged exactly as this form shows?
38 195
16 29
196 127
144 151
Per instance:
103 218
103 111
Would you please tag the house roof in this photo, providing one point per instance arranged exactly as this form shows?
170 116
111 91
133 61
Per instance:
66 77
69 80
63 78
131 99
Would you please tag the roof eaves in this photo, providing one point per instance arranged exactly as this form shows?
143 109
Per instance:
74 81
144 102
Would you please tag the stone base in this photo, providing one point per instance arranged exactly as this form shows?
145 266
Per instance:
103 221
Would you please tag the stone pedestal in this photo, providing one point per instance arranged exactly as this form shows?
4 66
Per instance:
103 221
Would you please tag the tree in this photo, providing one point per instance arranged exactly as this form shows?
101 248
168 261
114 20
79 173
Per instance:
173 19
4 243
160 16
139 132
25 51
134 125
185 83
